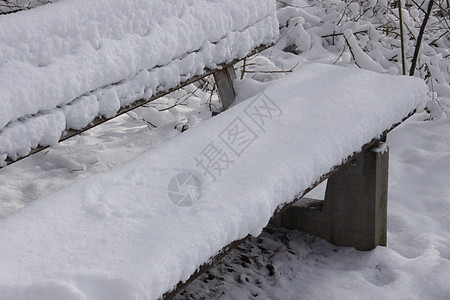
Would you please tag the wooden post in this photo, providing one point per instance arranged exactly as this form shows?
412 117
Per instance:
354 212
224 81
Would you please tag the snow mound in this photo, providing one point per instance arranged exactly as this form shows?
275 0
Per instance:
136 231
85 59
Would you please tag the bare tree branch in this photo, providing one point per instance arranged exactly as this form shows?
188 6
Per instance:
420 37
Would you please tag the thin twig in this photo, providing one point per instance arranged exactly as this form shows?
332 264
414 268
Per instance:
243 68
270 72
351 51
402 43
340 55
340 33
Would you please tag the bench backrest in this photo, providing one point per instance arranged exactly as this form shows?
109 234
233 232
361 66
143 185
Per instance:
64 65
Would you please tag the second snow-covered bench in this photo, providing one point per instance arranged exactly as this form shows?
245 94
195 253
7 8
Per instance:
67 66
140 229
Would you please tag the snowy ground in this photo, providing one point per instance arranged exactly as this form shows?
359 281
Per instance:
282 264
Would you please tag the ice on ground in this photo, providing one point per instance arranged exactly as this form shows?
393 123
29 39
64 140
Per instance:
120 232
108 54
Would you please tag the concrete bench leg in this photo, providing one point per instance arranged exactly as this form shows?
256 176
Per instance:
354 212
224 81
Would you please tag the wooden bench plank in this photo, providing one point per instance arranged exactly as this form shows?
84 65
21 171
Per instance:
287 213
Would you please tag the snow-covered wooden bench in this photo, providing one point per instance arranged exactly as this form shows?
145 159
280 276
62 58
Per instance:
146 228
149 227
68 66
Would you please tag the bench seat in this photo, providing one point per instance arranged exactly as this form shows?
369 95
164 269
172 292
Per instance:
124 233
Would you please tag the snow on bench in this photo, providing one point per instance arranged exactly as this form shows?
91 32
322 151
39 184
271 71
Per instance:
135 231
62 65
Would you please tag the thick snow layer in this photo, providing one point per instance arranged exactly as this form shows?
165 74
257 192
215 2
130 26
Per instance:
415 265
89 58
118 235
